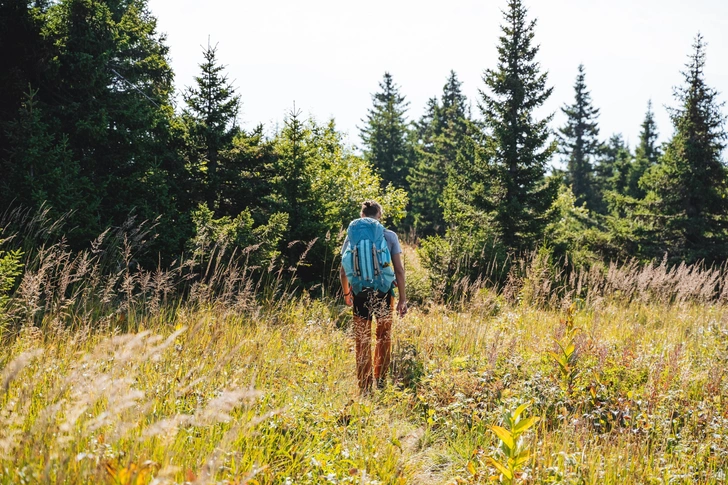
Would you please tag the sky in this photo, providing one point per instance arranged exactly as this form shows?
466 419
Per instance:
328 56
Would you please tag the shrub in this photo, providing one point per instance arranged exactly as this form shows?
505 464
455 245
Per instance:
10 269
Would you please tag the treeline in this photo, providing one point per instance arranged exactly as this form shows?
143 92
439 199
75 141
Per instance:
90 130
482 191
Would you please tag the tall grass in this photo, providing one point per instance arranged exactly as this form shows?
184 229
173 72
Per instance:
217 371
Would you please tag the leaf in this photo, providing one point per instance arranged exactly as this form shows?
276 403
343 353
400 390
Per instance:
504 435
501 468
563 350
471 468
559 359
522 458
570 349
524 424
397 443
553 355
520 409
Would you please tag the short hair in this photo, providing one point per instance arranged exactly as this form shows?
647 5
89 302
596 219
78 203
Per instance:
371 208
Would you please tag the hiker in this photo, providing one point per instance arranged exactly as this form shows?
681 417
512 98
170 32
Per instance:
371 266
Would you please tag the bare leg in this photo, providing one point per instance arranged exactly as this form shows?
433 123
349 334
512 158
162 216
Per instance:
383 349
363 339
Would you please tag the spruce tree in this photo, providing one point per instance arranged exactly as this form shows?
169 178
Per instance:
456 128
686 203
385 134
24 58
611 171
646 154
519 195
423 176
40 168
578 140
104 89
615 167
210 117
441 138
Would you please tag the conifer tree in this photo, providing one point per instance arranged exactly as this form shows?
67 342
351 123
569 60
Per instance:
615 167
519 196
647 154
611 171
40 168
579 142
103 92
441 138
24 58
686 203
423 175
385 134
211 119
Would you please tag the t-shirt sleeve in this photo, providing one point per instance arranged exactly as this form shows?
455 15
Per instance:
393 242
346 243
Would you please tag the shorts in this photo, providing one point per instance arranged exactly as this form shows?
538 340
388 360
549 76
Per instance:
370 303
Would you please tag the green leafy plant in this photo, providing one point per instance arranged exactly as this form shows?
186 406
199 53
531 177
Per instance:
515 454
10 268
566 357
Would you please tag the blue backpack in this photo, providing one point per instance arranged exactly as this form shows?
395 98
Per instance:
366 259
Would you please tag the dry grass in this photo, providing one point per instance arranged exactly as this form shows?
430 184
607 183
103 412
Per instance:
216 372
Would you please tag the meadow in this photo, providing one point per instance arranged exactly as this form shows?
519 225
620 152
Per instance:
227 374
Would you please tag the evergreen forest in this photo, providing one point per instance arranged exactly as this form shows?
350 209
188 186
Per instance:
92 139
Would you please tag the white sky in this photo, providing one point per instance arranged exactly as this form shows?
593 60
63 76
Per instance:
329 55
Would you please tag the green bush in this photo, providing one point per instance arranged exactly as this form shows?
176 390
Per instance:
238 234
461 257
10 269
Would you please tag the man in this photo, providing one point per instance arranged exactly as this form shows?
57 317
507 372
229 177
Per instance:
369 303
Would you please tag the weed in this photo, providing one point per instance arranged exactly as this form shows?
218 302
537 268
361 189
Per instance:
515 454
566 356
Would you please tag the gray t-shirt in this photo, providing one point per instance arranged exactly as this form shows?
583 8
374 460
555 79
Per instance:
389 236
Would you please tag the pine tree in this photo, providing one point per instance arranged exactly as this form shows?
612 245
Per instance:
40 168
385 135
611 171
105 88
686 205
579 142
296 151
518 196
24 59
616 166
442 134
211 120
423 176
646 155
456 127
